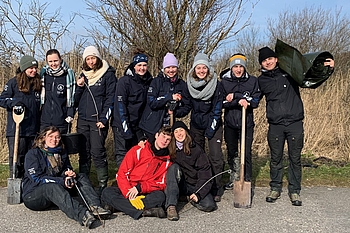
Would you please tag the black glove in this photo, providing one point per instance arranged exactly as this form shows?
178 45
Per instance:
18 109
171 105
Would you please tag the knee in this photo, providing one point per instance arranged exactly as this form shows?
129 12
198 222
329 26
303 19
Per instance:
174 172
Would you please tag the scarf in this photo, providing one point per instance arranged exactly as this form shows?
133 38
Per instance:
201 89
94 76
70 81
53 155
179 145
160 152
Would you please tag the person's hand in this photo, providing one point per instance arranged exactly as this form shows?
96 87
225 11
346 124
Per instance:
137 202
69 182
100 125
80 81
244 103
329 62
194 197
18 109
142 144
132 193
170 112
229 97
70 173
177 97
69 119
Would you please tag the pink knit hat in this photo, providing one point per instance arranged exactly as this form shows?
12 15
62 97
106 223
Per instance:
170 60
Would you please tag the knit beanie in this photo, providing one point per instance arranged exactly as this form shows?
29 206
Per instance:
266 52
139 58
170 60
179 124
201 58
91 51
238 59
27 62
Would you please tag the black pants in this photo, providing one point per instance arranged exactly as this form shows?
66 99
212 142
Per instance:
215 156
112 196
232 136
176 185
93 146
51 194
24 145
294 134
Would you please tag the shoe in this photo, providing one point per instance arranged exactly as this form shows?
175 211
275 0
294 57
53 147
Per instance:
98 210
88 219
295 199
110 208
217 198
273 196
154 212
172 213
228 186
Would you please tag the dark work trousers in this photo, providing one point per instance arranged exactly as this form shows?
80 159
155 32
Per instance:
176 185
232 136
294 134
93 146
24 145
113 196
215 156
53 194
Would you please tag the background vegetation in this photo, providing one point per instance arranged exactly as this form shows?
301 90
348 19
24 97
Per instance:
119 27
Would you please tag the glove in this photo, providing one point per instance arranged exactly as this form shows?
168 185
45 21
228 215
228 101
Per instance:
18 109
137 202
171 105
69 119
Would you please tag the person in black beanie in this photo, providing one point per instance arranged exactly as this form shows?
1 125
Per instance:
285 114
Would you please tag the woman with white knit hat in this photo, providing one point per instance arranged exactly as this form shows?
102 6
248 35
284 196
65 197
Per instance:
94 98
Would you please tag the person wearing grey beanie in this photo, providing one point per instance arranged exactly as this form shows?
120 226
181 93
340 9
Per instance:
22 94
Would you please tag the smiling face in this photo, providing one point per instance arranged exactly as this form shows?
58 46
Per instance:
269 63
141 68
54 61
162 141
238 70
52 139
180 134
31 71
91 61
170 71
201 71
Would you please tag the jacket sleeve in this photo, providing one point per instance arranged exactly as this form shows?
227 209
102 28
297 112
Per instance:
256 93
215 116
154 99
109 101
7 99
203 172
120 111
79 91
184 106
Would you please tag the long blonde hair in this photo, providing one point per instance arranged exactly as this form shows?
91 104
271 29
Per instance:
39 141
24 82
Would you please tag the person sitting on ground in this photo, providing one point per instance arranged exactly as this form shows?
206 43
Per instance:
141 179
48 180
188 174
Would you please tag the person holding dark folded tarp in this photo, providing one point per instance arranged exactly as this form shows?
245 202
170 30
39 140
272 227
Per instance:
285 114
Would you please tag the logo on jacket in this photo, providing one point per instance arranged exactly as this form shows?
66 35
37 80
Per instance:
247 96
37 96
60 88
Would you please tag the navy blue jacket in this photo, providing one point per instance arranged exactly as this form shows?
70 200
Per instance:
36 171
130 101
103 93
283 102
54 111
206 114
31 122
159 93
245 87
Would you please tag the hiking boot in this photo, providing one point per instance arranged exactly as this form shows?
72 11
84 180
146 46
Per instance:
172 213
88 219
273 196
154 212
98 210
228 186
110 208
295 199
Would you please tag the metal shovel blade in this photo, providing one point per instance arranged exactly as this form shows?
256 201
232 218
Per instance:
13 191
242 194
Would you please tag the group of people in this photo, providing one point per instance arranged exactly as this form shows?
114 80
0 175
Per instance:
158 158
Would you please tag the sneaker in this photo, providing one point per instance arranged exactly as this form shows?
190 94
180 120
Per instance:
88 219
228 186
172 213
98 210
273 196
295 199
154 212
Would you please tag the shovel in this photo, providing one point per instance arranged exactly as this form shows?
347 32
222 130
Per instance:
242 189
14 184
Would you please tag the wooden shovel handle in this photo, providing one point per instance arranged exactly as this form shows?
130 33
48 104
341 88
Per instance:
241 174
17 119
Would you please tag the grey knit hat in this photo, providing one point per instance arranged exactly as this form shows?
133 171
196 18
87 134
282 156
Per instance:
201 58
27 62
238 59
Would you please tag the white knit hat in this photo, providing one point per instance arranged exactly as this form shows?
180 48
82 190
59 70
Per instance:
91 51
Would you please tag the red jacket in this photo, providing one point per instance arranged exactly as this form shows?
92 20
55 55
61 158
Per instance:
141 166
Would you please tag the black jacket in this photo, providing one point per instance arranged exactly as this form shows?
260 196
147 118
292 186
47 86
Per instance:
103 93
9 98
283 102
130 101
159 94
245 87
196 169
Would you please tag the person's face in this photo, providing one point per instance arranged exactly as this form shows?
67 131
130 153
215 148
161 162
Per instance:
170 71
141 68
52 139
238 70
91 61
53 61
31 71
201 71
162 141
269 63
180 134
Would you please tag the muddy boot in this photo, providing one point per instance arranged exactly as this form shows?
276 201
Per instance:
102 177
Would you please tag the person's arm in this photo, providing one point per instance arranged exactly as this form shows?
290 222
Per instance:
184 105
203 168
121 110
109 101
215 113
124 171
154 99
7 99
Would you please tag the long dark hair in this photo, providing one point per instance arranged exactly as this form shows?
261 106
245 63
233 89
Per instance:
187 143
53 51
40 139
24 82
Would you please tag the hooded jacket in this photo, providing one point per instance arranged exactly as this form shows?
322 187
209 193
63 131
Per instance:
130 101
283 102
245 87
141 167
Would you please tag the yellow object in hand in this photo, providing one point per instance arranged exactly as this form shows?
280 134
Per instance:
137 202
